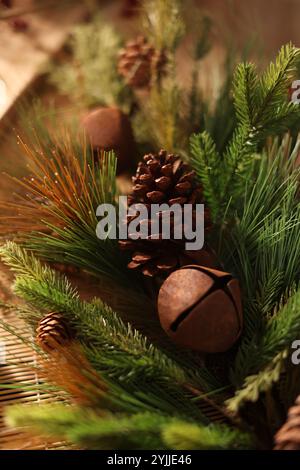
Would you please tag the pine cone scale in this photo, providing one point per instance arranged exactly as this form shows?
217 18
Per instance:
155 196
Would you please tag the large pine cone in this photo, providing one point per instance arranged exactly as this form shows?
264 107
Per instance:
53 331
139 62
288 436
162 178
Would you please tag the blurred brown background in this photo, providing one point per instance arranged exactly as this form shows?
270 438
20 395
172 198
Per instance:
274 22
31 31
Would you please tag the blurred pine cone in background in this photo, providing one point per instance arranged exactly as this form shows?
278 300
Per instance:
139 63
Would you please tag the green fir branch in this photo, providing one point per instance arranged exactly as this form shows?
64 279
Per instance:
257 247
254 385
123 356
116 431
205 161
244 93
261 109
182 435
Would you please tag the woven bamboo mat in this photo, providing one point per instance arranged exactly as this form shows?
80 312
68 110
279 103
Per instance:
17 362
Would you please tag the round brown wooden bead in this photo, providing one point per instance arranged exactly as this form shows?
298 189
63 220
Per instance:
200 308
110 129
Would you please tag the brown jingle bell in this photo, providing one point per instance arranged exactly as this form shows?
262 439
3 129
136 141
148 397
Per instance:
110 129
200 308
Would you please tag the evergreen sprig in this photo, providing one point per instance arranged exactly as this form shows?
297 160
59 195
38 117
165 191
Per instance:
258 250
116 431
55 209
254 385
207 165
261 360
163 23
261 109
183 435
258 193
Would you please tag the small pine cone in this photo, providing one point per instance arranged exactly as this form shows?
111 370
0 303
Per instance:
139 61
53 331
162 178
288 436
